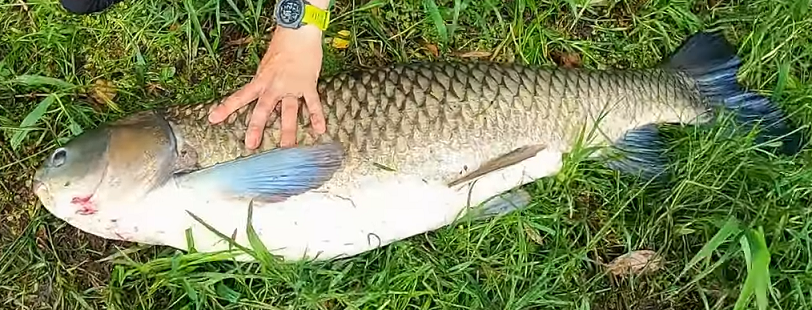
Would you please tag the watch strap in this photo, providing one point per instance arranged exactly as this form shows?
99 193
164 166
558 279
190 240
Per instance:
316 16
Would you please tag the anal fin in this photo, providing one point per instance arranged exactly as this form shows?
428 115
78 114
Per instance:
641 153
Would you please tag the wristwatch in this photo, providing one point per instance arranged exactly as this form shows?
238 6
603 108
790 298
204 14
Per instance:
296 13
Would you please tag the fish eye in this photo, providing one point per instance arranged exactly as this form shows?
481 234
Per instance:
58 157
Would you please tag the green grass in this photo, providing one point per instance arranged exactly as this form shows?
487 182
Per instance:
735 230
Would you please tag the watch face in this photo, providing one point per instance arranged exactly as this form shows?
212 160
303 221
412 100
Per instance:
290 12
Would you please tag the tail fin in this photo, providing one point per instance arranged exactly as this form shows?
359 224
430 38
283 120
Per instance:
712 62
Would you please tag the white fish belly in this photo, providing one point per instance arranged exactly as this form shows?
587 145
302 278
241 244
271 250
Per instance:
333 223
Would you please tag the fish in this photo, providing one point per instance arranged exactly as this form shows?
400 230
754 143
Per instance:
409 148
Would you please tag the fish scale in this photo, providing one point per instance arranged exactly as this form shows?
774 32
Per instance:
381 114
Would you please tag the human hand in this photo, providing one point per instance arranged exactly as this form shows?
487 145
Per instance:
289 70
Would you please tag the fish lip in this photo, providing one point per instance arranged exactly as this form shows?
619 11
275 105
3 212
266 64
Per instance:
42 191
37 186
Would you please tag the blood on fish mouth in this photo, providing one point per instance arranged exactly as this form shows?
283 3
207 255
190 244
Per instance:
85 206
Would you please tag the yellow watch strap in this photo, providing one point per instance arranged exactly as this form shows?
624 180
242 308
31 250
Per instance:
316 16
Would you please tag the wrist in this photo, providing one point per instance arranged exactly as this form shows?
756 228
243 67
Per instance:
298 14
302 34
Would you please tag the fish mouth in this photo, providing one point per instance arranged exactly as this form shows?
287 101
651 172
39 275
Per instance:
42 192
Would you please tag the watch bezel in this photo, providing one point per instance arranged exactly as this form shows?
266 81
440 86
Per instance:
295 25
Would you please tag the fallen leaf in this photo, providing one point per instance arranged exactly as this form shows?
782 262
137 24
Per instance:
103 92
153 88
534 235
567 59
41 237
635 262
475 54
342 40
432 49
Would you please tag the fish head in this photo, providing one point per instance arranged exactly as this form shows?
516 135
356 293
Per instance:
73 171
107 167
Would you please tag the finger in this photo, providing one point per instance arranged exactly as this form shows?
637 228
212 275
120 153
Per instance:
259 118
290 109
317 121
237 100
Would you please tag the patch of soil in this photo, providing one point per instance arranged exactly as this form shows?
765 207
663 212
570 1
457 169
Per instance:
235 41
623 13
705 6
81 252
15 193
628 299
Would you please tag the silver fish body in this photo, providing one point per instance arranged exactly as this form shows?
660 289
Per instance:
408 149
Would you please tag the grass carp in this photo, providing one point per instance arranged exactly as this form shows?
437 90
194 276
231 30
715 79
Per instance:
409 148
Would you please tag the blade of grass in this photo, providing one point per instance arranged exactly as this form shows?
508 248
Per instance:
757 257
261 252
730 228
32 118
38 80
434 13
196 24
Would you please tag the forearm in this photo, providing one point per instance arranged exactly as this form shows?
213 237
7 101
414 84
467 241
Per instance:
322 4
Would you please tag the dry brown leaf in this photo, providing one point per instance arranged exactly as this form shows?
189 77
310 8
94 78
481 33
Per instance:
432 49
534 235
636 262
475 54
153 88
342 40
104 92
41 238
567 59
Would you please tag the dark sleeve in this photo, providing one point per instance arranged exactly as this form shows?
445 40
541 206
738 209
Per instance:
87 6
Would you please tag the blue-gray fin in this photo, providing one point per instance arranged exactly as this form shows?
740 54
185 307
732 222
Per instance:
507 202
642 152
712 62
274 175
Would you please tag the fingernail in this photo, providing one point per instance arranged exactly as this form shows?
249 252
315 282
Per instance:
213 117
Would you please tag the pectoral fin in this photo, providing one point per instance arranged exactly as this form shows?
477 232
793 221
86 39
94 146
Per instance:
273 175
511 158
